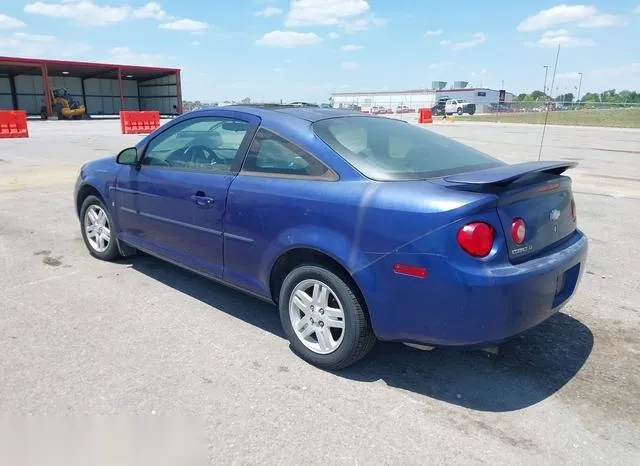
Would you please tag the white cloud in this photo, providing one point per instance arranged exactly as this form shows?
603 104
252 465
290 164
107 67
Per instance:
629 71
126 56
637 10
185 24
362 24
351 48
40 46
324 12
277 70
479 74
288 39
85 12
560 37
617 77
268 12
195 43
439 66
349 65
333 35
9 22
34 37
475 39
568 75
350 15
88 13
436 32
586 16
151 10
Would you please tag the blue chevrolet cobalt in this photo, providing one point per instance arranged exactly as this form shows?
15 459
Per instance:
359 228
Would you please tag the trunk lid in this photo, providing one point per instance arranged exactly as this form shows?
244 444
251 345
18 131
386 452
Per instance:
535 192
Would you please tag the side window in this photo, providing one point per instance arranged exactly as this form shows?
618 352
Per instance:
271 154
205 144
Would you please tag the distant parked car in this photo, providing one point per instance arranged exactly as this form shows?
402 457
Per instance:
459 106
357 227
439 108
404 109
501 108
379 110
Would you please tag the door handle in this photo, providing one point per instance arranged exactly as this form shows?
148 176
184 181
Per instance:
200 199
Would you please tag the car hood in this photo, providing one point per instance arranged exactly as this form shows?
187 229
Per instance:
103 163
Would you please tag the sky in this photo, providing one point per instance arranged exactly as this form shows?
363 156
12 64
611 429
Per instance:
305 49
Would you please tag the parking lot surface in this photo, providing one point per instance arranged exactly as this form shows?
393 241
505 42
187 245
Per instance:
84 337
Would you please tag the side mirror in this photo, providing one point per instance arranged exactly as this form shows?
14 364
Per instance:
128 156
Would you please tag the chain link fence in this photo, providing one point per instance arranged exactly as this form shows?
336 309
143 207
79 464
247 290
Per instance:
408 109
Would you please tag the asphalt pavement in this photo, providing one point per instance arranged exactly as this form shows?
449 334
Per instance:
140 342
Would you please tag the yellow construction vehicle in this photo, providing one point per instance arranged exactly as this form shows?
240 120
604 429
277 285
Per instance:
64 106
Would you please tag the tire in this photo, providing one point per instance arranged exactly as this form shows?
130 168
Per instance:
101 249
356 338
459 110
471 112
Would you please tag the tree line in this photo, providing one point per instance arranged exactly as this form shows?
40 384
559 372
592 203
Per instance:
610 96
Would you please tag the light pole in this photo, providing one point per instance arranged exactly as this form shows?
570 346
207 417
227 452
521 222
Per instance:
546 69
579 88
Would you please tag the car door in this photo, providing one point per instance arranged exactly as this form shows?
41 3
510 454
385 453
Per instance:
451 106
266 199
173 203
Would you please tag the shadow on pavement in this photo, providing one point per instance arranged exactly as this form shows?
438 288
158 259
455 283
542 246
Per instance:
527 370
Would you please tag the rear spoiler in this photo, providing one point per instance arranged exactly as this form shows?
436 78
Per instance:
506 174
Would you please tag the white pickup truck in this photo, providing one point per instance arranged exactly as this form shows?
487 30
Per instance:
459 106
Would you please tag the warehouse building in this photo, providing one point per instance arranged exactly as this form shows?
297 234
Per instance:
410 100
104 89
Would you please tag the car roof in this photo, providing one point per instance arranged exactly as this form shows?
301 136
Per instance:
268 111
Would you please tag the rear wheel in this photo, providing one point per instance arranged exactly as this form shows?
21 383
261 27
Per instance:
97 229
323 318
459 110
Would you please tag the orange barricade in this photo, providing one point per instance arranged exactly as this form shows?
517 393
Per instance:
425 116
13 124
139 122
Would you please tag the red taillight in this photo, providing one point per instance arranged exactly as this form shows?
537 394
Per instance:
574 214
476 238
518 230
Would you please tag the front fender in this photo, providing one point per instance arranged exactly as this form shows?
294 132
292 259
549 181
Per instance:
97 179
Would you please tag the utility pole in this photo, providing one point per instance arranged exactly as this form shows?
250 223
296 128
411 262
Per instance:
579 88
546 69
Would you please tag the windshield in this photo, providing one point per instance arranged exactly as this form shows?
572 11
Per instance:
386 149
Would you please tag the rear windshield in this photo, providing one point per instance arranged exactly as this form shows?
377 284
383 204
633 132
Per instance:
386 149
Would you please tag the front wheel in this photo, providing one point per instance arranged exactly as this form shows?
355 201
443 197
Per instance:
97 229
323 318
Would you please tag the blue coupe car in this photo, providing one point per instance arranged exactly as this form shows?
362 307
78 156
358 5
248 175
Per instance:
358 227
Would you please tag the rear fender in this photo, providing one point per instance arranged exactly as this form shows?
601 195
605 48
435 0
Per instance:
323 240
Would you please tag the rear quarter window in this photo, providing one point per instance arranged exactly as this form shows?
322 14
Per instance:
387 149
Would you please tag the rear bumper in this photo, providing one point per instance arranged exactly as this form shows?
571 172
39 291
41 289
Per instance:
458 306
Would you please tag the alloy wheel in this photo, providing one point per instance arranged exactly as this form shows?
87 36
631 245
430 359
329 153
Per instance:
317 316
97 228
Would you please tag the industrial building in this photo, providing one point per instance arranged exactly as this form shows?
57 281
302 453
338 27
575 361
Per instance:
103 89
410 100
